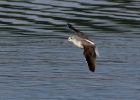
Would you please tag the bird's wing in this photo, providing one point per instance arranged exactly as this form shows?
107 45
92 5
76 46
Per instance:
90 55
80 34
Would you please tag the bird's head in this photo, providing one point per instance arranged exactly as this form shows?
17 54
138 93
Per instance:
75 40
70 39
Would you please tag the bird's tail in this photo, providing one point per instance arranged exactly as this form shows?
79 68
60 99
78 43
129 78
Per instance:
71 27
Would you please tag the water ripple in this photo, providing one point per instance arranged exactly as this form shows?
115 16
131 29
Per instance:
38 63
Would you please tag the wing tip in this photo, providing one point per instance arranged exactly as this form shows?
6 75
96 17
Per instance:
92 69
69 25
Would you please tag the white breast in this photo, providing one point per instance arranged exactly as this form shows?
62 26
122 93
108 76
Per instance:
77 43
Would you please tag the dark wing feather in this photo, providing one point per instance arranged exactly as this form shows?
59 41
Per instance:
80 34
90 55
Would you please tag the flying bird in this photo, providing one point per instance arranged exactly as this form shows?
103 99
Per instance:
82 41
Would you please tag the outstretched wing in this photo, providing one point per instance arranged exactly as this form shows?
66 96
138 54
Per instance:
80 34
90 55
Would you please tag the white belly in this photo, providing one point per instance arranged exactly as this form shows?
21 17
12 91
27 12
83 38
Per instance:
78 44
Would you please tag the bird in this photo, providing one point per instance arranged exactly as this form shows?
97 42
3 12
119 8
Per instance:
81 40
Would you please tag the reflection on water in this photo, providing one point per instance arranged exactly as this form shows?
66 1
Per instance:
37 62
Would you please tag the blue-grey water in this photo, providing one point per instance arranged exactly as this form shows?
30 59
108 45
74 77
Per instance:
38 63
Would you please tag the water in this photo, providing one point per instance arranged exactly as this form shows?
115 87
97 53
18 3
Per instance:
38 63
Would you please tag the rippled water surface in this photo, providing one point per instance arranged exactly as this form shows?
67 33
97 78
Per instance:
38 63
